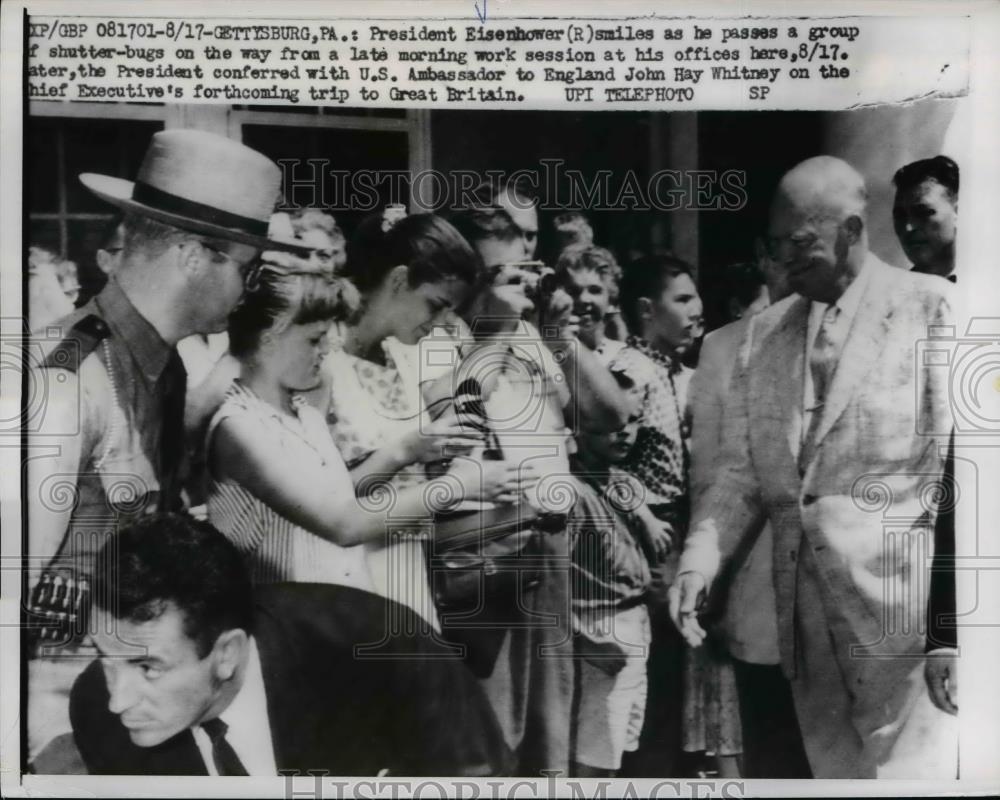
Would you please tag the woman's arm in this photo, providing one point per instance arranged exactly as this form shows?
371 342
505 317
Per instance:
380 464
429 441
322 500
203 400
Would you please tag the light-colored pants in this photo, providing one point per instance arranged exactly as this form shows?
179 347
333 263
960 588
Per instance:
611 708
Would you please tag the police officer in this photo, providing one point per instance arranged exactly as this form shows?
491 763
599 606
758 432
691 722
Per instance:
107 441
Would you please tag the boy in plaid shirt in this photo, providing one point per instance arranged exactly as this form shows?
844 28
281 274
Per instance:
613 534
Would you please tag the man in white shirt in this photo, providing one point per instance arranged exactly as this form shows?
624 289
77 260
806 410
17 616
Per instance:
830 406
537 386
200 674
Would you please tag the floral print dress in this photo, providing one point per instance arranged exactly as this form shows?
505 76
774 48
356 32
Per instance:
373 405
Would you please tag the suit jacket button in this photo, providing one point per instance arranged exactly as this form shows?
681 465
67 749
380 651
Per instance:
808 499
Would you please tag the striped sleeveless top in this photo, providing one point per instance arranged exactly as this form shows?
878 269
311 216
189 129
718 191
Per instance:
274 548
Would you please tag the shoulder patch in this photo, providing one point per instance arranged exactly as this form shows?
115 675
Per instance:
79 342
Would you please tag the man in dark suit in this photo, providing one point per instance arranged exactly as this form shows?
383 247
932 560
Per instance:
925 217
925 214
200 674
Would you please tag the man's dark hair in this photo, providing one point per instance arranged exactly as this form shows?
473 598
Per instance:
173 558
940 168
486 222
647 277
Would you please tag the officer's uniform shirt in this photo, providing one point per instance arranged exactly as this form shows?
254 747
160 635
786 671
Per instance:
131 395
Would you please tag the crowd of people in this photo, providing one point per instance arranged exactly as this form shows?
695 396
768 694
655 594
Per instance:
413 501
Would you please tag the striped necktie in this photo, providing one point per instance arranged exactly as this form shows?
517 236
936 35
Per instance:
823 357
822 364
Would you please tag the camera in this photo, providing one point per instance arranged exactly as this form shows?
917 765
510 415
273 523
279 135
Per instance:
515 374
969 369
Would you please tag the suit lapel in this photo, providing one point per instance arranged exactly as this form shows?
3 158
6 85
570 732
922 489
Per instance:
864 344
287 712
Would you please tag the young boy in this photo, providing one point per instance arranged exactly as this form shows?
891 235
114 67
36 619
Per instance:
611 531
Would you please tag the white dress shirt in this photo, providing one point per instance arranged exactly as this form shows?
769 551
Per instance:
249 732
847 304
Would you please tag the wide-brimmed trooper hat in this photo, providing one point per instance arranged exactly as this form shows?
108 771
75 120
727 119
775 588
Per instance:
201 182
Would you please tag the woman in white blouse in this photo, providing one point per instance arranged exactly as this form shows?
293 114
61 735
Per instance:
413 273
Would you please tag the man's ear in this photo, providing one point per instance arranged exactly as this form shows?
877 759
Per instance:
191 256
228 652
645 307
854 227
104 261
760 253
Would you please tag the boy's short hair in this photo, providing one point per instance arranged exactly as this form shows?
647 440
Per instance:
647 277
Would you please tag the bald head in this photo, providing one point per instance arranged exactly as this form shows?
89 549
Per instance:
823 185
817 227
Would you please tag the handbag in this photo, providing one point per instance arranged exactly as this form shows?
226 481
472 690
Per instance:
480 564
481 561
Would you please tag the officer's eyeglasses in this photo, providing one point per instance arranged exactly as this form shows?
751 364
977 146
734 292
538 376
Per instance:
250 270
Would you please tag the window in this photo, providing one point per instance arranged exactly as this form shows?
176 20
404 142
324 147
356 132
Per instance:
62 215
388 144
66 139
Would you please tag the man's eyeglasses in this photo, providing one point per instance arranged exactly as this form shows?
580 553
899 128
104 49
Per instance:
250 270
257 268
781 247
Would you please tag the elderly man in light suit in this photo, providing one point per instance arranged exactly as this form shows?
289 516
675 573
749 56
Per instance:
829 404
748 626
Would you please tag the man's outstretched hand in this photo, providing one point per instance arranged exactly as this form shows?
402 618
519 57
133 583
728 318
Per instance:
685 597
941 674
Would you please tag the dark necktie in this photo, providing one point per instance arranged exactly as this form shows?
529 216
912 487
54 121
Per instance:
225 758
172 387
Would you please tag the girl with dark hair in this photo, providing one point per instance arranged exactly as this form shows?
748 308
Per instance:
279 488
412 272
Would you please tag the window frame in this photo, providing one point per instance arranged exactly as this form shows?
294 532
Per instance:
224 120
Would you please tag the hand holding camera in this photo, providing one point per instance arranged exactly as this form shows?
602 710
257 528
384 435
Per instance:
484 480
445 436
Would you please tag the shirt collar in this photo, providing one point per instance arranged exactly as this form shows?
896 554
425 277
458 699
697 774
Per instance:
246 717
657 357
951 276
136 334
850 300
